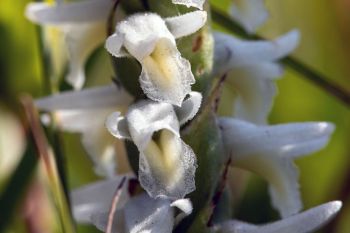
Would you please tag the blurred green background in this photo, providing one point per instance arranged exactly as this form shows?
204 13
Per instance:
325 46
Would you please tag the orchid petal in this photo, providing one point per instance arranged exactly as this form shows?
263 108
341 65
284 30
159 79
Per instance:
231 52
305 222
265 150
185 205
97 142
189 107
89 199
100 220
78 12
141 33
190 3
81 40
118 126
249 13
255 90
144 214
186 24
93 98
114 45
147 117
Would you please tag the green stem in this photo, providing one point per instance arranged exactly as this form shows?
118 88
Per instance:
50 87
312 75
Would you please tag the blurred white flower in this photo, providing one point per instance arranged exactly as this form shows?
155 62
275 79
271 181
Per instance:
269 151
12 142
252 69
83 24
134 214
166 76
85 112
249 13
166 164
190 3
305 222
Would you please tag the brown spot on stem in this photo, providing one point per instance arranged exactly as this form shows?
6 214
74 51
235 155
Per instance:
197 43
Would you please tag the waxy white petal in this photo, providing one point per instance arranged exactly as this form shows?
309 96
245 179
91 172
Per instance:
118 126
231 52
269 151
79 12
92 98
305 222
190 3
85 112
114 45
186 24
185 205
255 89
141 33
96 197
144 214
147 117
249 13
189 107
81 40
100 220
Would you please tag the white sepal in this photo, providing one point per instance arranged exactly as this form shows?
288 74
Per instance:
117 126
190 3
269 151
305 222
81 41
186 24
231 52
189 107
77 12
144 214
249 13
96 197
185 205
92 98
147 117
256 89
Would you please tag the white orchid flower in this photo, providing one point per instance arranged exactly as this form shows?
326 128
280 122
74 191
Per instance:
249 13
190 3
166 165
269 151
166 76
252 69
305 222
83 25
85 112
137 214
